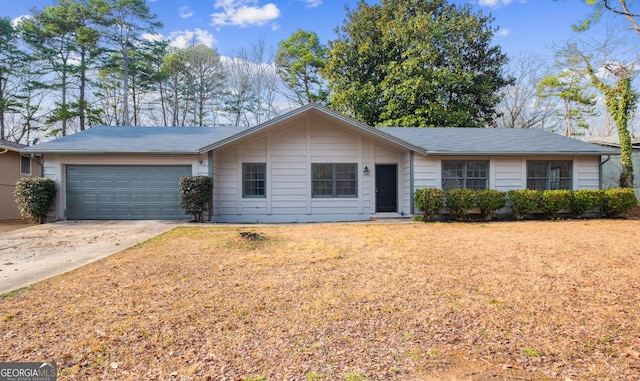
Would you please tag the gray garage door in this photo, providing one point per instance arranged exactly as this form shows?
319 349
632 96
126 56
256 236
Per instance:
124 192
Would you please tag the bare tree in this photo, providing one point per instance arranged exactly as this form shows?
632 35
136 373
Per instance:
205 77
252 84
520 106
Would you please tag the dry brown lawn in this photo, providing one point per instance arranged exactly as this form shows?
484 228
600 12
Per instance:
511 300
7 226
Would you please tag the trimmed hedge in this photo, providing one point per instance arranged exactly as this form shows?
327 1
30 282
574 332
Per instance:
459 202
553 201
196 193
617 201
34 197
606 203
585 201
429 201
524 201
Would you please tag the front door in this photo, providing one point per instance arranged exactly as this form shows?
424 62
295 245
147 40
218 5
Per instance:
386 188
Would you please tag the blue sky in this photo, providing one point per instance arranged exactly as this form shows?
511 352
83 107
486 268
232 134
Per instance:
227 25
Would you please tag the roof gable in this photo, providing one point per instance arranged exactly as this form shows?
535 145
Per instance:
313 109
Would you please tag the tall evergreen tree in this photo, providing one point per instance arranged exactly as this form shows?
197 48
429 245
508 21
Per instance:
299 61
124 20
568 86
50 34
11 59
416 63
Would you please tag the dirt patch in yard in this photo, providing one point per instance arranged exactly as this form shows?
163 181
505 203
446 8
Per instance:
10 225
512 300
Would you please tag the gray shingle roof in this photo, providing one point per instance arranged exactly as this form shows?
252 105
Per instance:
494 141
110 139
442 141
5 144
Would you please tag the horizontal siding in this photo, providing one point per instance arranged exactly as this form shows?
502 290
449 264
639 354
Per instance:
426 172
508 173
225 188
587 173
289 153
288 177
383 155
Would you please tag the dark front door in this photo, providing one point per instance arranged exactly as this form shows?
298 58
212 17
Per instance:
386 188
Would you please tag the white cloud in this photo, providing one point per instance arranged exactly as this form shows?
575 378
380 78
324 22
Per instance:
186 12
152 37
183 39
494 3
19 19
312 3
503 32
243 13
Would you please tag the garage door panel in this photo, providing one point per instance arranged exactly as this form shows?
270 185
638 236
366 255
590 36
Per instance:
125 192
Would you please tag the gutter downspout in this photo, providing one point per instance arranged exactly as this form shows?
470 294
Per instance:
39 162
210 173
411 185
600 168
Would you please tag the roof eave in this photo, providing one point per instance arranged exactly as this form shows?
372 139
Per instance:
77 152
521 153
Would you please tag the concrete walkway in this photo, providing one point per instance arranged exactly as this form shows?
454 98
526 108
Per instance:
36 253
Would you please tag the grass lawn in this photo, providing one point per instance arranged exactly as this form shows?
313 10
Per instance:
7 226
511 300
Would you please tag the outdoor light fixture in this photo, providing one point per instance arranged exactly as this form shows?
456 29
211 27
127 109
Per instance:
366 170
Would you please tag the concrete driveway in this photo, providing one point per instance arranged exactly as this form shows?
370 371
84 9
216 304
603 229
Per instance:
39 252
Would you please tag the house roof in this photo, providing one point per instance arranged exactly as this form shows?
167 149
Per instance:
614 141
426 141
495 141
10 146
136 140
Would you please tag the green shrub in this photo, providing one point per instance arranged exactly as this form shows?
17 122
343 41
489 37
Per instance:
584 201
524 201
196 193
429 201
459 201
617 201
489 201
553 201
34 197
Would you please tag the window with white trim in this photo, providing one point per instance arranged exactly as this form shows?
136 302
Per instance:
334 180
25 165
472 174
254 180
549 174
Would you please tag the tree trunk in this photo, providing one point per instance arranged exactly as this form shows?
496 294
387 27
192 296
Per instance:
125 84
